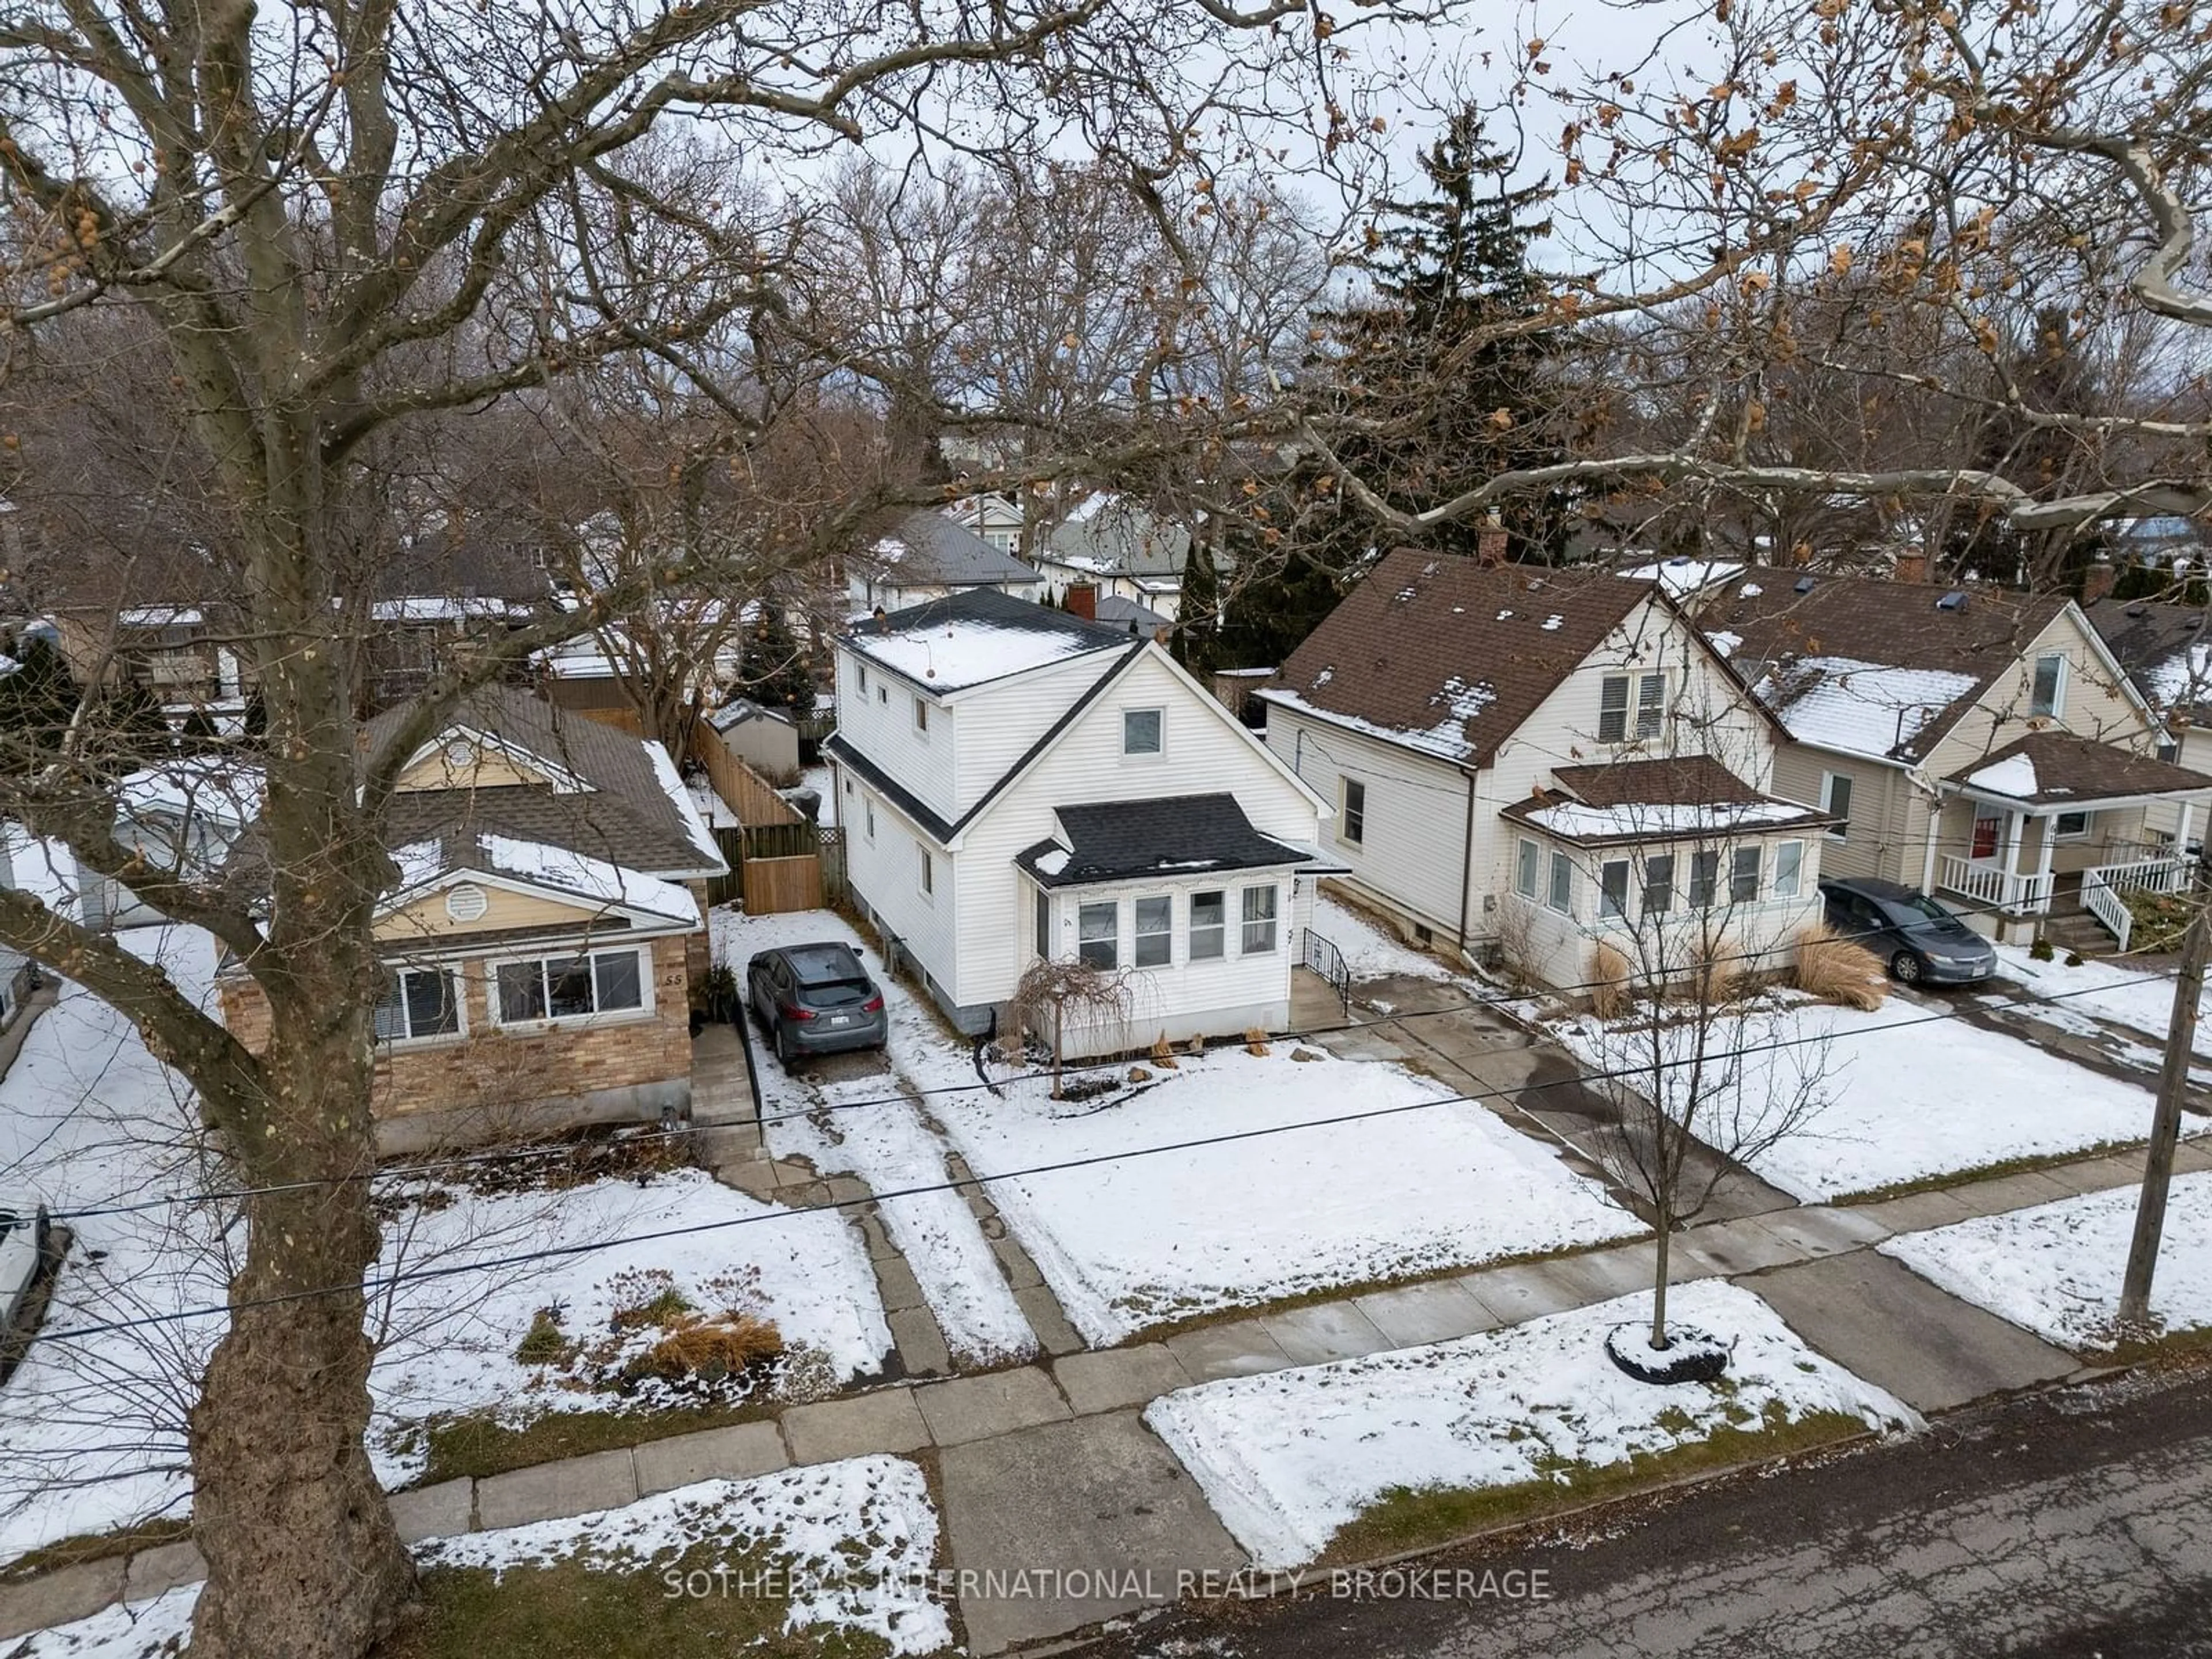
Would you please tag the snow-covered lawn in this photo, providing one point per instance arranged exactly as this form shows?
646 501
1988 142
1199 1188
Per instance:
854 1543
870 1127
91 1429
2055 1269
1134 1241
1288 1459
1369 952
2120 991
1904 1097
450 1348
820 779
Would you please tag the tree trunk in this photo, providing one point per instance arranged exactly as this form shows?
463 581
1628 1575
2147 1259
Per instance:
1664 1241
303 1558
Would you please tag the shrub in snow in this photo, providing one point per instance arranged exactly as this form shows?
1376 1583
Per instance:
2075 958
1838 970
2041 950
1609 981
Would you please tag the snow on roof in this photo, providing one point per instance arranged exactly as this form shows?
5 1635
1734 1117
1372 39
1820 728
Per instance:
1053 862
948 657
419 861
433 609
202 785
1724 642
1860 707
159 616
1681 576
686 810
1575 820
1446 740
1089 507
2013 776
588 877
2180 679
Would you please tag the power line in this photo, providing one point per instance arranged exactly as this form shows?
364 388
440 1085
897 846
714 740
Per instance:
414 1170
370 1286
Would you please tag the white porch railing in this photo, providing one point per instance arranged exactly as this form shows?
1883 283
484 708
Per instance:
1995 886
2102 889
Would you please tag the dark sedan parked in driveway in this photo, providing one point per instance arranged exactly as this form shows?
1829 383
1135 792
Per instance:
1922 943
815 1000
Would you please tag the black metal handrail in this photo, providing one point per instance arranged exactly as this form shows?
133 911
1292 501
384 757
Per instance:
1325 959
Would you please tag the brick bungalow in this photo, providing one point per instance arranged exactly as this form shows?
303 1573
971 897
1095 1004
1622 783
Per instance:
547 922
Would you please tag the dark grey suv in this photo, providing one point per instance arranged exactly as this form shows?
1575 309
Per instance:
815 1000
1922 943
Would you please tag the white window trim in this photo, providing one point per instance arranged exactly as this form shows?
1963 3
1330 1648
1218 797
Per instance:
2057 709
1274 920
1627 711
1797 887
2088 824
1345 785
1757 851
1560 860
921 717
1220 953
925 875
1657 707
1838 832
459 982
1137 933
1120 955
1146 754
868 817
863 669
644 1009
1607 911
1534 891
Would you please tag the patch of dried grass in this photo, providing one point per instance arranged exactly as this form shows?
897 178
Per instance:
1609 972
1838 970
710 1349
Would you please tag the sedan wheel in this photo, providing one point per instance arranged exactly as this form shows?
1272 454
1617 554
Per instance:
1907 967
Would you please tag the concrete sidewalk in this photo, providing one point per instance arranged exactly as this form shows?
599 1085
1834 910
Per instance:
1048 1467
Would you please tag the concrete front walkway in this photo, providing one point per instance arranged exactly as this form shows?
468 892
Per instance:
1048 1468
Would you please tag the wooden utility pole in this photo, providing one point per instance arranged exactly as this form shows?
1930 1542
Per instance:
2165 1121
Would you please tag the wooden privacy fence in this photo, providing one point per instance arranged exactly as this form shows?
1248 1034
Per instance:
775 856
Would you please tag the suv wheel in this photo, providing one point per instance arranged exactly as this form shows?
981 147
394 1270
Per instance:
1905 966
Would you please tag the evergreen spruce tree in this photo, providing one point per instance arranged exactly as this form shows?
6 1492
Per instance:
39 697
775 668
1442 268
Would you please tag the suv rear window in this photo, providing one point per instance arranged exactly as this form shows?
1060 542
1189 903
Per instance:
826 966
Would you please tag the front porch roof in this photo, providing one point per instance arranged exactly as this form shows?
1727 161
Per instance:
1672 800
1170 836
2058 771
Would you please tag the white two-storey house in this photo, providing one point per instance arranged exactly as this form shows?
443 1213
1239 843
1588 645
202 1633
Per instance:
1016 783
1532 762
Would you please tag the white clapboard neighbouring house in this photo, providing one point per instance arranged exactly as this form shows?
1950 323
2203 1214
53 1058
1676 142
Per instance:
1018 783
1530 762
926 556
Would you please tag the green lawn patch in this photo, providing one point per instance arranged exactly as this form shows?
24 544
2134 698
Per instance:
1409 1518
571 1611
479 1445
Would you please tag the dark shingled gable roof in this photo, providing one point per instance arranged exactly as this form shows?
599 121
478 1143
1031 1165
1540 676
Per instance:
1682 781
2072 770
1171 835
626 818
1450 655
1871 619
2152 643
939 551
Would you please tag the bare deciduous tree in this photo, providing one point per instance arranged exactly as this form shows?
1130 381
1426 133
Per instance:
333 219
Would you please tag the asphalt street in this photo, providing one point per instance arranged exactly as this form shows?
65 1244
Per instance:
2075 1524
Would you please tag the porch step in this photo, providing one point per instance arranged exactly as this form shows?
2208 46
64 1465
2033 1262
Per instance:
2079 931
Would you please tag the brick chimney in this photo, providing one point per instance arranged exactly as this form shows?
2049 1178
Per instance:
2097 581
1911 567
1490 541
1082 601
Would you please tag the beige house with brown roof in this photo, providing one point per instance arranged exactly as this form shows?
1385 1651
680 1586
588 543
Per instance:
1979 745
1530 762
541 935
